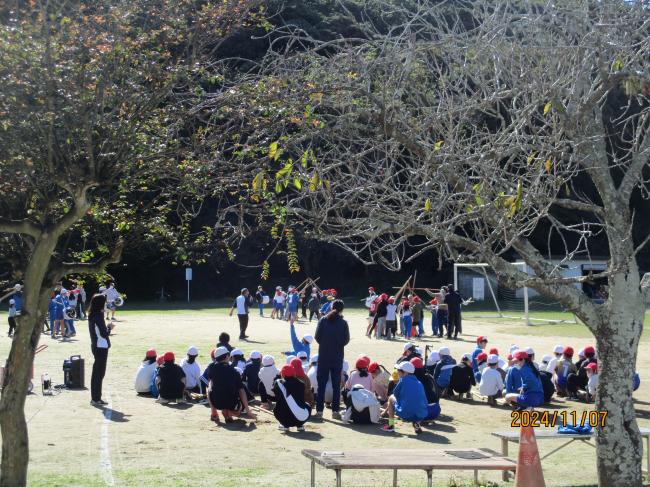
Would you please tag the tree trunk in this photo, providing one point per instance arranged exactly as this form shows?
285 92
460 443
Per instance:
15 447
620 447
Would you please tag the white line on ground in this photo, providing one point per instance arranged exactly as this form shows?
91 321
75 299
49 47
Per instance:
104 451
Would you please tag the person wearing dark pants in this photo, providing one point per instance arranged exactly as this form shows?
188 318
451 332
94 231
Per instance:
100 343
332 335
241 304
454 301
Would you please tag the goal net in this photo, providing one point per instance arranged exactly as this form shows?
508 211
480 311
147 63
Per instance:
492 300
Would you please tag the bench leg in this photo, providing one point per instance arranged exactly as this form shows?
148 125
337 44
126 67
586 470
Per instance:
313 473
429 478
338 477
504 451
647 452
395 478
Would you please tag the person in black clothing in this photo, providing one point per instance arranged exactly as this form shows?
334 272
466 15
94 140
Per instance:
547 384
462 378
170 380
224 341
454 301
410 352
427 381
99 345
226 391
578 381
290 413
314 304
252 372
379 320
332 335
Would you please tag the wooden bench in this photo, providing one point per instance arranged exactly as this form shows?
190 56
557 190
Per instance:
428 460
552 434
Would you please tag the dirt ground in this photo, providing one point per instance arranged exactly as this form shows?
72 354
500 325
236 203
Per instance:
136 441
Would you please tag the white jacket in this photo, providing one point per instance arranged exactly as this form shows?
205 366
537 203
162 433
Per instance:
144 376
192 373
267 375
362 399
491 382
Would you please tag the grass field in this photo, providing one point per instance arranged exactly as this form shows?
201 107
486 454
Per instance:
136 442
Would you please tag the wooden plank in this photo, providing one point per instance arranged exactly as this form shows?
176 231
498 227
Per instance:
465 459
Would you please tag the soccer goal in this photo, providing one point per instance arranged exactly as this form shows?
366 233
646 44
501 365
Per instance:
492 300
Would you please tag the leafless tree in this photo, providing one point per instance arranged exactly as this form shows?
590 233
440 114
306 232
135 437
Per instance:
467 127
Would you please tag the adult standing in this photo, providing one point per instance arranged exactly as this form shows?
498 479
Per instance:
241 304
112 295
454 302
259 297
332 335
81 301
100 343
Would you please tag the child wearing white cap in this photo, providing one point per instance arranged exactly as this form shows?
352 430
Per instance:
558 350
408 401
267 375
303 345
443 369
226 391
237 358
251 373
192 371
491 382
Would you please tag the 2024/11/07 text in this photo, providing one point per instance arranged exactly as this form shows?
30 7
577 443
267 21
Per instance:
547 419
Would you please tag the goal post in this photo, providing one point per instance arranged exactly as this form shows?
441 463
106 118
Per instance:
479 282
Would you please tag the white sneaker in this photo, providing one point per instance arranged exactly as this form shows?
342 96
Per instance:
161 400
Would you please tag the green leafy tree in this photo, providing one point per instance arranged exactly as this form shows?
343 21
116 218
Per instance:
96 138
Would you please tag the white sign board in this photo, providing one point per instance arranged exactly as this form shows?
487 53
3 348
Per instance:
188 274
478 288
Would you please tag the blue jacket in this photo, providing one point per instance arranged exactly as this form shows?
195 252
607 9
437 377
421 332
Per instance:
513 380
154 388
475 354
530 382
442 373
327 306
410 399
292 301
332 336
18 298
298 345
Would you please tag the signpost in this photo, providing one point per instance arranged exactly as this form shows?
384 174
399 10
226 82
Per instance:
188 278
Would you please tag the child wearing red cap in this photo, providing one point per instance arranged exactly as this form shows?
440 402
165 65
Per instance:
481 343
361 376
145 373
578 381
290 409
380 381
391 318
589 394
430 390
531 391
170 380
417 314
564 368
296 363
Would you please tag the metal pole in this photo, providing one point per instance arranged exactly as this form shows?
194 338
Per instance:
188 291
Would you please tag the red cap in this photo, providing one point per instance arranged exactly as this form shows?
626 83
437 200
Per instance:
521 355
494 351
590 350
481 339
509 357
168 357
333 292
371 288
417 362
296 363
372 367
433 301
384 296
362 363
416 299
568 351
592 366
212 352
151 353
481 357
160 359
288 371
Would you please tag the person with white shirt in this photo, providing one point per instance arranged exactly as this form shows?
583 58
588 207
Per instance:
391 318
111 296
558 350
192 371
145 373
267 375
241 304
592 383
491 384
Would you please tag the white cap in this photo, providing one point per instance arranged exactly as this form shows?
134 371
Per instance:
406 367
220 352
418 350
501 363
433 358
530 351
192 351
63 291
581 352
346 366
493 359
444 351
308 338
268 360
467 356
255 355
408 346
314 359
546 359
236 351
18 287
513 348
302 354
12 301
289 358
558 349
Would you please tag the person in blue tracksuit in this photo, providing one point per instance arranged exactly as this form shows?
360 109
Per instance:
531 391
303 345
513 378
409 400
481 343
293 299
442 372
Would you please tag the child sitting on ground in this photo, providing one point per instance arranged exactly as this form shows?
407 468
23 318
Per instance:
430 390
589 395
268 374
380 380
442 372
154 382
296 363
192 371
481 363
226 391
531 392
491 384
145 373
360 376
408 400
290 409
362 406
252 372
170 380
462 378
563 369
